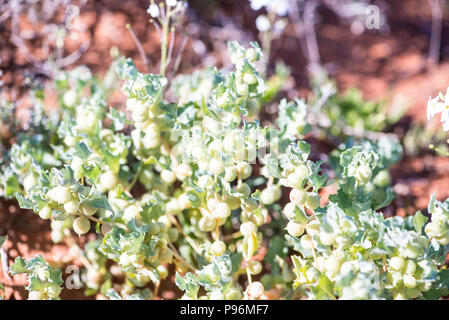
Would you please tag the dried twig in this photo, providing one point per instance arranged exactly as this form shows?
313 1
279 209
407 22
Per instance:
435 39
139 47
5 266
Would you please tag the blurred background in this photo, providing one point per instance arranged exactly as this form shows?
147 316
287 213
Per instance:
384 57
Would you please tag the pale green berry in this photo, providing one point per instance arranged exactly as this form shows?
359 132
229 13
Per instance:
230 174
332 265
327 239
154 228
168 176
77 167
131 212
233 202
205 181
173 234
249 205
382 179
249 78
172 207
400 295
412 293
363 174
242 89
255 289
409 281
397 263
108 180
222 211
71 207
29 181
69 98
36 295
212 203
244 169
87 209
60 194
182 171
251 54
127 260
45 213
207 224
302 171
218 248
247 228
289 210
53 292
313 227
295 229
270 195
81 225
244 189
234 294
163 272
306 243
432 229
254 267
410 267
298 196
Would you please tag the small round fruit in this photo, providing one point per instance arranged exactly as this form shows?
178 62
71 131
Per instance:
230 174
81 225
222 210
382 179
36 295
163 272
247 228
295 229
255 267
207 224
397 263
108 180
87 209
71 207
218 248
244 169
168 176
270 195
216 166
363 174
45 213
327 239
244 189
289 210
255 289
60 194
298 196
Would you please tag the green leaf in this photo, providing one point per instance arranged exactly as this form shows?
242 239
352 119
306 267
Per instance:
82 150
419 220
24 203
19 266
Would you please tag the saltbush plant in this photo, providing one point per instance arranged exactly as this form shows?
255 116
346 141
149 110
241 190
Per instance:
186 178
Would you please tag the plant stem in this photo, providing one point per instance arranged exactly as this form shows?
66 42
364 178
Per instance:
165 31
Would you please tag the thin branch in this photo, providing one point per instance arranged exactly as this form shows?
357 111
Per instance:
435 40
139 47
71 58
179 55
5 266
